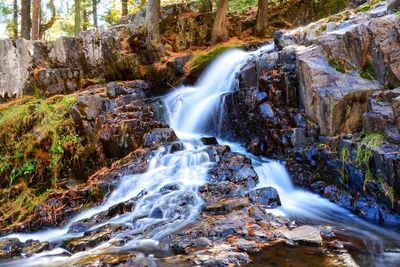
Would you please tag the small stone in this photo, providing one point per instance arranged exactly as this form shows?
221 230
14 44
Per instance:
244 244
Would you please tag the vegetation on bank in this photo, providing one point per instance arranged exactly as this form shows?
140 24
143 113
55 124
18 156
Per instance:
39 147
202 59
368 5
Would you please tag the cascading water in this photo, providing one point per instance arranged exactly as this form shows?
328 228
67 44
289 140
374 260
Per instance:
174 178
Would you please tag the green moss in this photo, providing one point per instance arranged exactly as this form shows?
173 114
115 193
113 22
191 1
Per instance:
18 208
340 17
321 29
392 195
368 71
367 6
39 145
365 150
337 64
202 59
344 156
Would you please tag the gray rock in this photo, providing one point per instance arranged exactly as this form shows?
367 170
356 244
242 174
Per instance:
266 197
336 101
221 255
393 4
244 244
305 234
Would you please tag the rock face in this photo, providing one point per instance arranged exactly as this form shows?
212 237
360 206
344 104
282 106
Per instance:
118 53
331 99
394 4
331 77
337 61
15 63
117 120
384 114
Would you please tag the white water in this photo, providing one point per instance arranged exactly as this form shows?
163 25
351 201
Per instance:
192 111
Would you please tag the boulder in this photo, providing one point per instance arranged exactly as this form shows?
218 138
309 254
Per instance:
16 58
232 167
158 137
334 100
383 115
393 4
209 141
266 197
304 234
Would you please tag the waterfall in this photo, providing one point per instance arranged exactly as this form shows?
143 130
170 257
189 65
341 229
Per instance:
175 177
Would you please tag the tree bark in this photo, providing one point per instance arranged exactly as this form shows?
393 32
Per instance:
26 19
124 7
15 19
152 31
77 17
219 31
36 19
46 26
94 5
262 18
85 17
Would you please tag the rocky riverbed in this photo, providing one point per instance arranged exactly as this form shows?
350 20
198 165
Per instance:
324 102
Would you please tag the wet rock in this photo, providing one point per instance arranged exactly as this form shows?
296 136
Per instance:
394 4
158 137
202 242
266 110
244 244
332 99
33 247
92 239
175 146
249 75
209 141
383 116
232 167
221 255
305 234
228 205
266 197
10 247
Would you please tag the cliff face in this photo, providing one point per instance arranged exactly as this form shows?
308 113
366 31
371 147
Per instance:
69 64
327 99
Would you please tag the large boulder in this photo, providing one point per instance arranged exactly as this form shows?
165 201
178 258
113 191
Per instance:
383 115
15 62
334 100
394 4
341 60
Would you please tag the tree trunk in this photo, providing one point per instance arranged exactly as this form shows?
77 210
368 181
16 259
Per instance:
46 26
262 18
85 17
36 19
124 7
26 19
152 31
15 19
77 17
219 31
94 5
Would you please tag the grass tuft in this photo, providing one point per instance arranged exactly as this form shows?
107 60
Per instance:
337 64
367 6
368 71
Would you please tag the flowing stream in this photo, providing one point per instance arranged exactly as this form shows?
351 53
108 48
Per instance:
159 210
